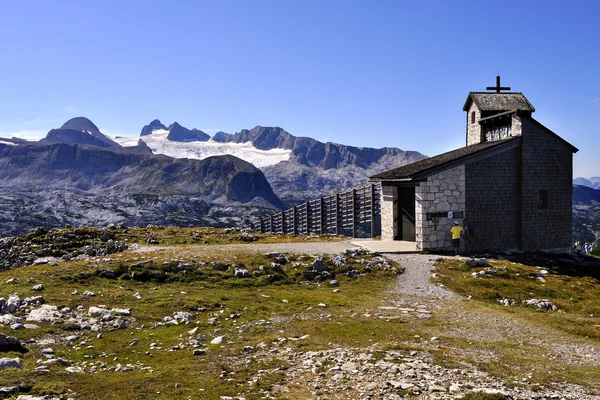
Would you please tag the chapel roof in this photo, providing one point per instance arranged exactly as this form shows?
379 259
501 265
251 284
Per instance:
421 169
487 101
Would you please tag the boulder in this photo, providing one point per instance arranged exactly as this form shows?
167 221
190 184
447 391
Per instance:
9 343
319 265
45 313
6 363
242 273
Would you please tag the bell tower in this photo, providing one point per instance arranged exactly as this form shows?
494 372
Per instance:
490 115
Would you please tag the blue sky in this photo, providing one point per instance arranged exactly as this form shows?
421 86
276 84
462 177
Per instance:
364 73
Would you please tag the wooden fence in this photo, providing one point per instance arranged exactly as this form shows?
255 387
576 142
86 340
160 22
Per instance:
355 213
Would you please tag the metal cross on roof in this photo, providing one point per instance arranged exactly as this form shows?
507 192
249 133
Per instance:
497 88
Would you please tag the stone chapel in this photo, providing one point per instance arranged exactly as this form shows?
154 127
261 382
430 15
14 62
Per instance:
512 183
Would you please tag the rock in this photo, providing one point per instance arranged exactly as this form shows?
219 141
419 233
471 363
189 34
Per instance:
17 326
323 305
11 305
33 301
319 265
543 304
218 340
107 273
220 267
9 319
339 261
98 311
477 262
276 267
247 237
88 293
334 282
38 288
75 370
7 390
121 311
9 343
137 295
183 316
199 352
6 363
45 313
242 273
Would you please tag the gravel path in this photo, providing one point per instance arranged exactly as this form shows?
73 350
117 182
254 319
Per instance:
311 248
415 279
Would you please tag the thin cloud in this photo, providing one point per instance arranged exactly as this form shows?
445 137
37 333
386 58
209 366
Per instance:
597 100
25 134
70 109
211 130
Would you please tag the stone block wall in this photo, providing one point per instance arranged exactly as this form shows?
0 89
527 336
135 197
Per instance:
389 212
441 192
473 129
547 165
493 201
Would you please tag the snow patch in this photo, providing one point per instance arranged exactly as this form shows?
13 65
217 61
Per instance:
7 143
159 144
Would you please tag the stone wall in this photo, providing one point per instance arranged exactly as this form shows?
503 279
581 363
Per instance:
493 201
441 192
473 129
547 165
389 212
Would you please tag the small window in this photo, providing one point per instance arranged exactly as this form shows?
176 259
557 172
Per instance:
472 117
542 199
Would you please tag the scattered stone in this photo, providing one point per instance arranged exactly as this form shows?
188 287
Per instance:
242 273
6 363
542 304
46 313
218 340
38 288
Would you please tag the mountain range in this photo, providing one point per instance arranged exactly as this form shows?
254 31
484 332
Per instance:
172 175
593 182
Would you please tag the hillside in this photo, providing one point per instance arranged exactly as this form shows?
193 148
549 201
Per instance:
203 314
586 213
74 179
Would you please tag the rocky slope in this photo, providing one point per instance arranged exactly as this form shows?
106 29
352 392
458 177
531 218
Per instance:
76 177
317 169
586 213
593 182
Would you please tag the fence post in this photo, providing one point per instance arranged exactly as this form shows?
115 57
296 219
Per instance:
271 222
337 214
373 211
282 222
262 226
353 213
307 218
321 214
295 226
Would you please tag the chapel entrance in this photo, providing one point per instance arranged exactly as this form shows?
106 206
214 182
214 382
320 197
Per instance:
406 214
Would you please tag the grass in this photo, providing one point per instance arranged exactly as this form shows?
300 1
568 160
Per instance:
575 296
284 305
275 307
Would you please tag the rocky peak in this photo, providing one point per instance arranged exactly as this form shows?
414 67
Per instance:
81 124
178 133
79 130
152 126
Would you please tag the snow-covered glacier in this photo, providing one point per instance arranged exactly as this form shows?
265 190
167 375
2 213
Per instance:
159 144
